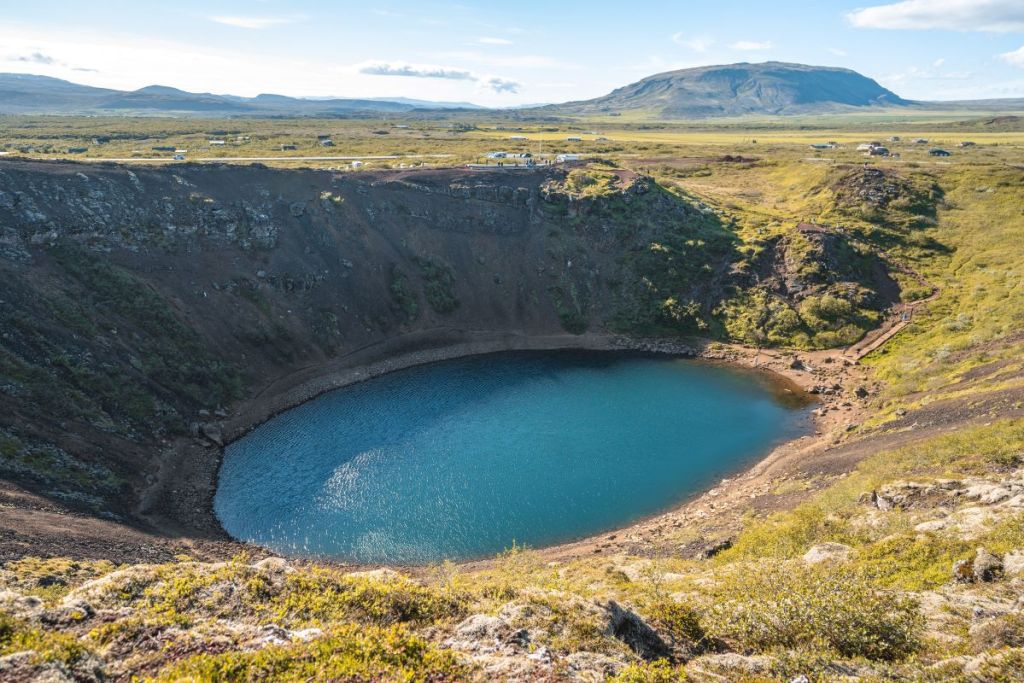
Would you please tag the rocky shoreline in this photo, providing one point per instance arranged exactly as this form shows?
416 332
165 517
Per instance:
180 500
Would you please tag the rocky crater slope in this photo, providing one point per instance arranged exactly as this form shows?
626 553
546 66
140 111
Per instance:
142 306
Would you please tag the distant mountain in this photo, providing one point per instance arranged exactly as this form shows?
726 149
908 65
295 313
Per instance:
30 94
428 104
741 89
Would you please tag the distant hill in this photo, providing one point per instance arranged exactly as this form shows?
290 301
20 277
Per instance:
741 89
31 94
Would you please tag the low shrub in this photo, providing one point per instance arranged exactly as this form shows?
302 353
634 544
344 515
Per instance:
350 653
793 606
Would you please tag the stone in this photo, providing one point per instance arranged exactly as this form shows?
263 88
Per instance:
986 567
828 552
628 627
963 571
1013 563
711 549
481 626
274 565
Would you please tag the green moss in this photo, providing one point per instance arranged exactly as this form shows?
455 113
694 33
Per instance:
438 285
659 671
402 294
571 307
46 646
348 653
52 578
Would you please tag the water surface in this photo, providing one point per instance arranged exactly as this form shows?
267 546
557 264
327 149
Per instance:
461 458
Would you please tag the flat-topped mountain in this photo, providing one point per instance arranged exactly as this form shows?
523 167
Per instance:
740 89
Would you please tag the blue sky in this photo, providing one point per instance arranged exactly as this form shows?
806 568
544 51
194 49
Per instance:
507 53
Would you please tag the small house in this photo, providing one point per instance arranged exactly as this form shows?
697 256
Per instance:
939 152
181 151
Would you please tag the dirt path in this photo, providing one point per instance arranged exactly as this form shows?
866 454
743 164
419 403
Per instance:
902 315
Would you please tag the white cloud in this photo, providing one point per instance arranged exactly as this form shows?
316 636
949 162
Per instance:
493 83
488 40
1015 58
411 71
838 53
939 62
695 43
999 16
752 45
33 58
127 62
502 85
256 23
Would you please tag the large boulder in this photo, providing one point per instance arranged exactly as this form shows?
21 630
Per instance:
986 566
628 627
828 552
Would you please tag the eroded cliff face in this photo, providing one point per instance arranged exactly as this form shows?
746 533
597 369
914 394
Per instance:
140 304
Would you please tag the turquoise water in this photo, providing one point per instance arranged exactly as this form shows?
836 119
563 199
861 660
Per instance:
461 458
